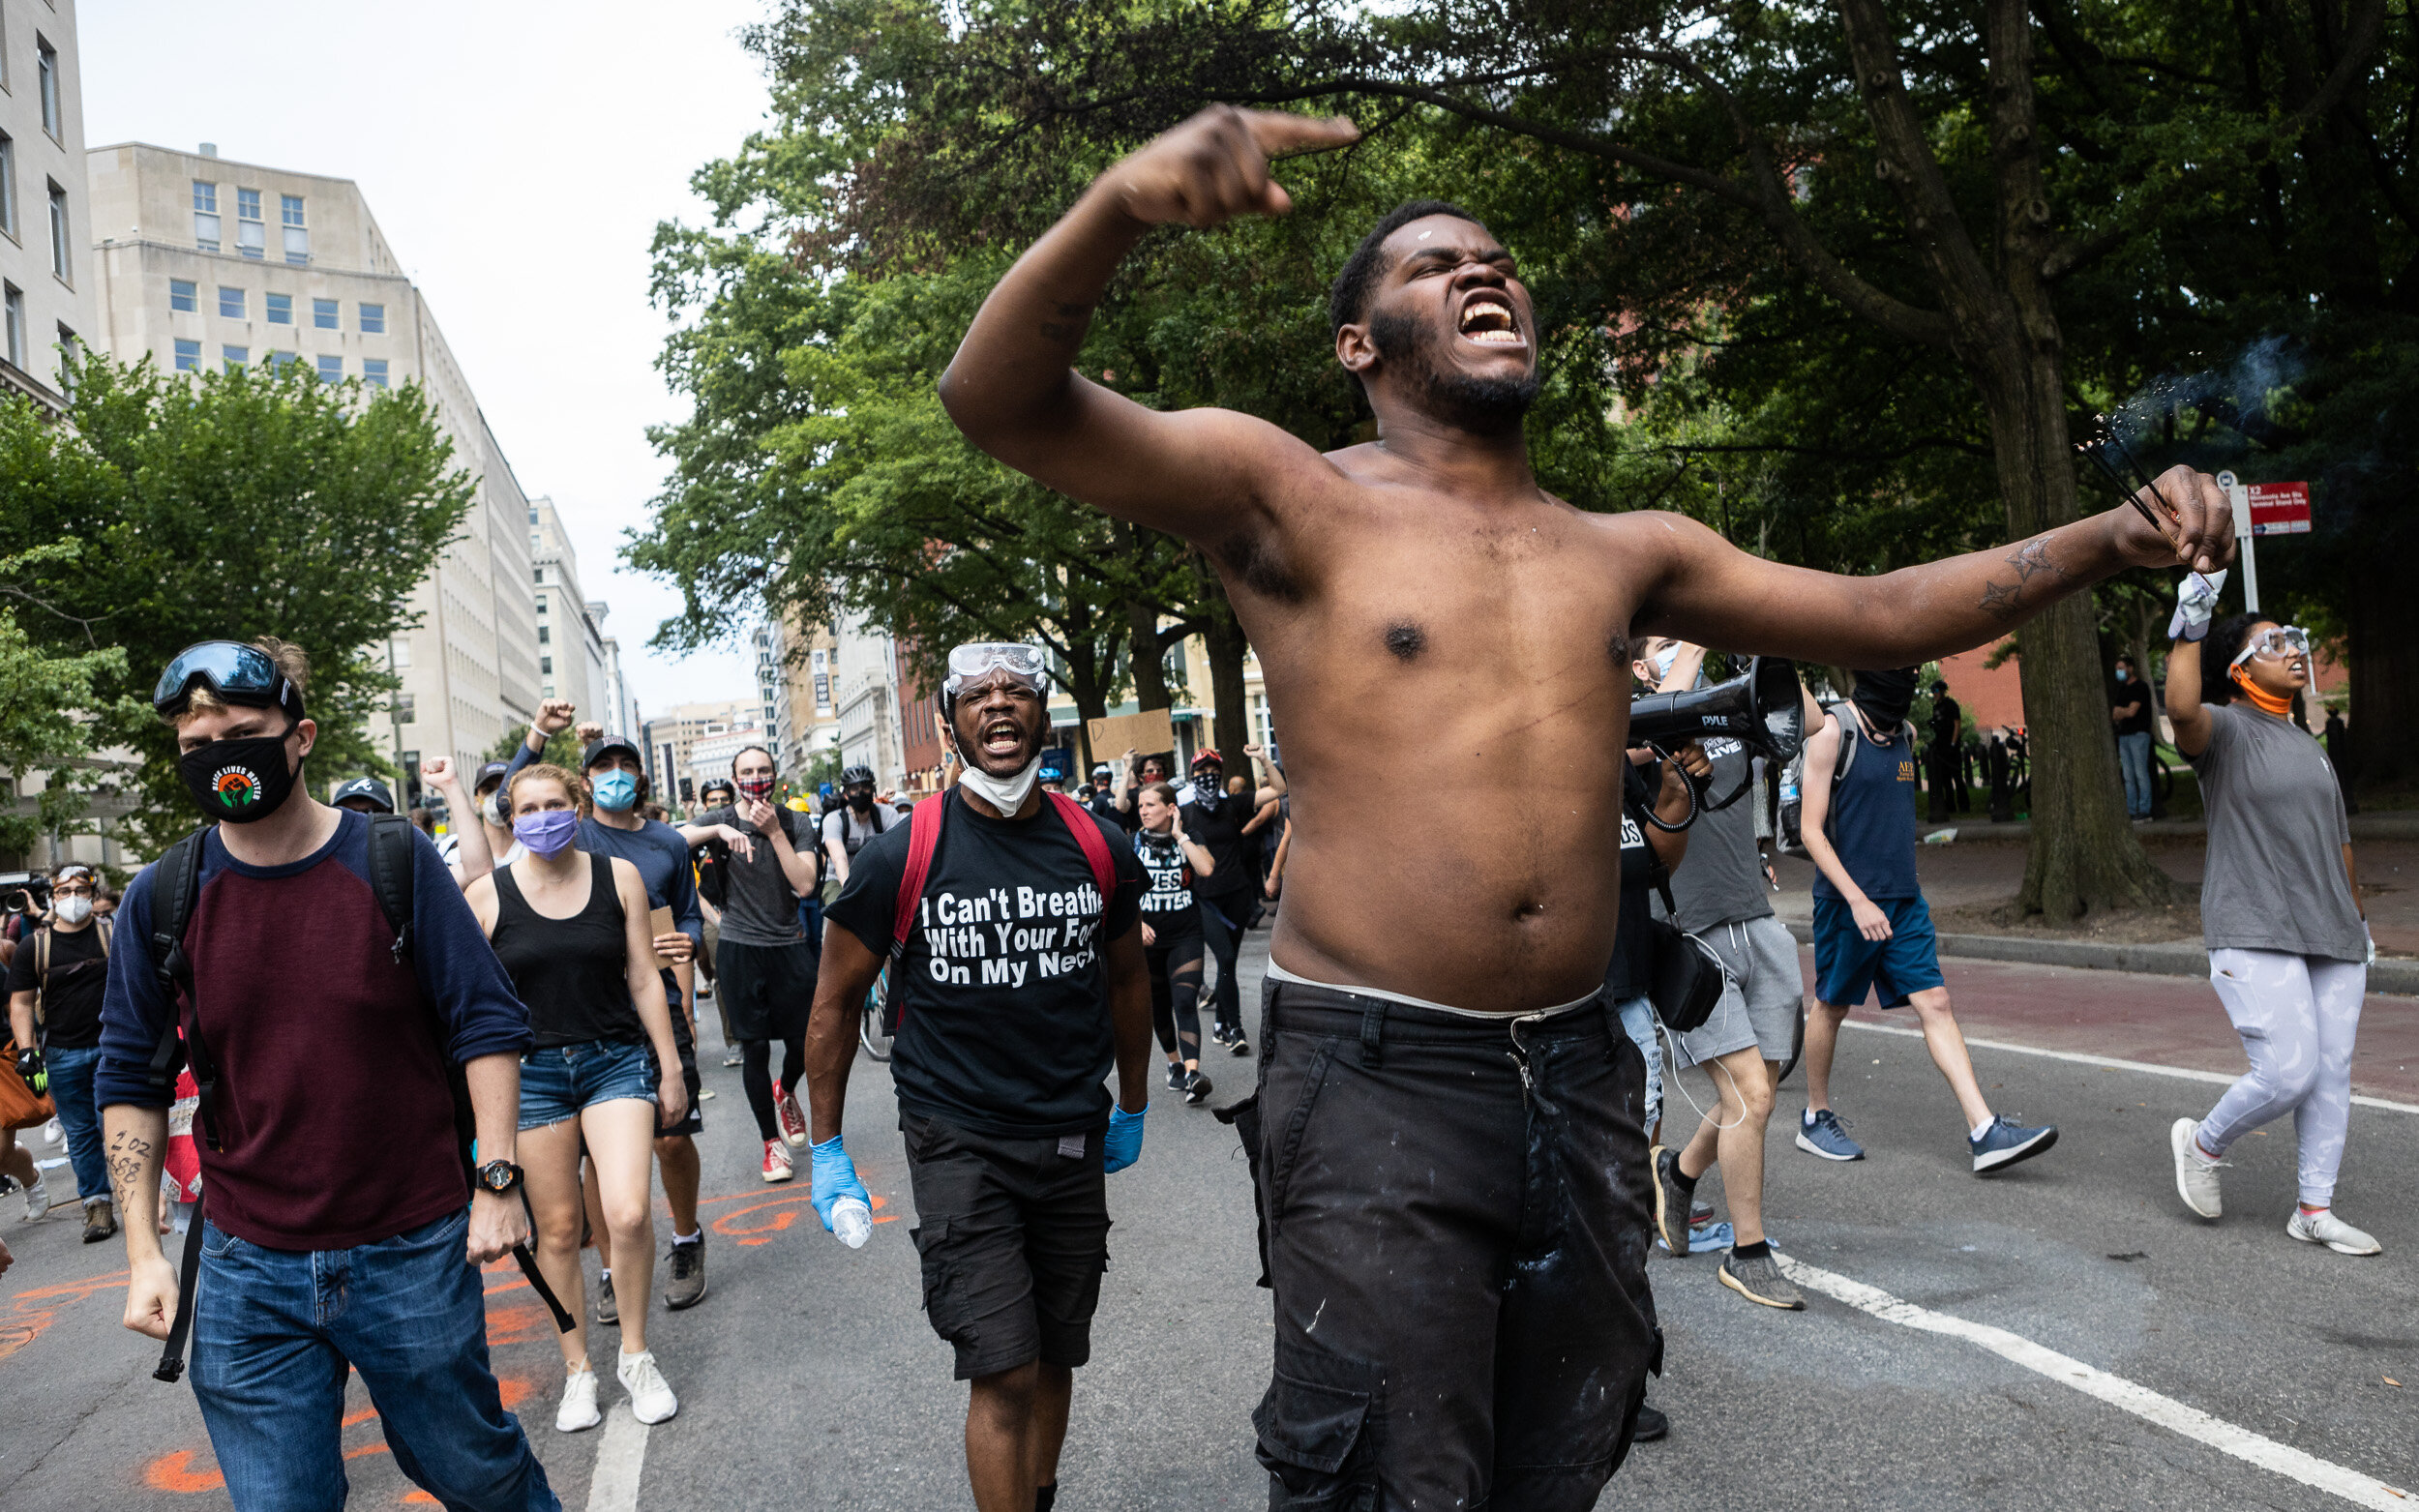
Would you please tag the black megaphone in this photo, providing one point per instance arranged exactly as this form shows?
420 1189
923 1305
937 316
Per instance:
1762 710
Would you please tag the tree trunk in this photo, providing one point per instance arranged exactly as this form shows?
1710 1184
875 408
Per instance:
1223 639
2083 854
1150 658
2384 646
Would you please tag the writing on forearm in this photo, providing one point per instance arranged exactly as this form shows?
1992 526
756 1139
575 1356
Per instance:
129 1154
2001 600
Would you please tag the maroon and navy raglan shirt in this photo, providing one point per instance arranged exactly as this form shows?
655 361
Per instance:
334 1118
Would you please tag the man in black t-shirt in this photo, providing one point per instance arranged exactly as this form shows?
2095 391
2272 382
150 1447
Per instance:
55 1010
1020 985
1218 820
2128 709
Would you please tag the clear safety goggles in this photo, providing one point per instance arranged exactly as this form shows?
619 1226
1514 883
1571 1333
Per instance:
977 659
2276 643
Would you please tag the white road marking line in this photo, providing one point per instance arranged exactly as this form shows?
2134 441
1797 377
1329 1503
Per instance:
2116 1390
620 1454
2112 1063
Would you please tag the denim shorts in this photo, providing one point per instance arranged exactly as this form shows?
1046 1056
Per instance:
561 1080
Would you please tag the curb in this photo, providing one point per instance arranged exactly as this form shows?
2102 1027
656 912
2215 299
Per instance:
2180 958
2376 825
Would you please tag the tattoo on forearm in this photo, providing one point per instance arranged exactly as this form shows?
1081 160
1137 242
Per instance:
2032 558
1999 601
1069 326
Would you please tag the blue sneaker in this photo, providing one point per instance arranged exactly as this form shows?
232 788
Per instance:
2007 1142
1827 1138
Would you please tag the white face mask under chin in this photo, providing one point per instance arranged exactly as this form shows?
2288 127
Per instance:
1007 795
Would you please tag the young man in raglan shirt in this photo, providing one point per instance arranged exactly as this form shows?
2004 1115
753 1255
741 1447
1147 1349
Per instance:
337 1229
1021 986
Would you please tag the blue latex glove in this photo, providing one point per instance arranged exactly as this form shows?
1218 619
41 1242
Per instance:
1125 1145
833 1176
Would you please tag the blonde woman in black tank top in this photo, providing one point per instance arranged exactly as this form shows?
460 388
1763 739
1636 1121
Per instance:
571 928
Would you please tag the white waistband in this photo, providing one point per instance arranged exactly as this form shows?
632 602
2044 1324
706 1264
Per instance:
1279 973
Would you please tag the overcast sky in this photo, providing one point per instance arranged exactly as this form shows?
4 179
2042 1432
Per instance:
518 155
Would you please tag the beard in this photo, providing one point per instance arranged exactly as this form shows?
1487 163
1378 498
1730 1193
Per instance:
1483 406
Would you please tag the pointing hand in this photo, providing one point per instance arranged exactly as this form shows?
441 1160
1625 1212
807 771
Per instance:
1215 167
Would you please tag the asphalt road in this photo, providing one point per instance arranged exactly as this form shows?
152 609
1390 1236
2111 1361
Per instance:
808 1378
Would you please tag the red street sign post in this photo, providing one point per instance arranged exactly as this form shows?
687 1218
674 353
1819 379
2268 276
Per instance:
2263 509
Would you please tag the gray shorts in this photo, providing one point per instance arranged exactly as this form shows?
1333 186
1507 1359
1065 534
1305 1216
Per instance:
1763 1000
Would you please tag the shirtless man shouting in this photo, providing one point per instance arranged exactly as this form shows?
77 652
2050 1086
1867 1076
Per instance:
1452 1175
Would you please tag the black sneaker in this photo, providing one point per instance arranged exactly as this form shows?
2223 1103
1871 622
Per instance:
1652 1425
686 1285
1221 1034
608 1310
1196 1088
1238 1045
1671 1202
1175 1076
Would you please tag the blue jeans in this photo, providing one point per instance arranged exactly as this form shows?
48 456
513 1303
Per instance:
1637 1021
2133 756
71 1088
275 1332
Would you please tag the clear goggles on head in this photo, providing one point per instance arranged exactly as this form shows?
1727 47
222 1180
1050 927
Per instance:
2277 643
979 658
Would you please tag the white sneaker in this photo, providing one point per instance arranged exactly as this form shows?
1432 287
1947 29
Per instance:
53 1134
650 1400
2332 1231
37 1197
579 1408
2196 1173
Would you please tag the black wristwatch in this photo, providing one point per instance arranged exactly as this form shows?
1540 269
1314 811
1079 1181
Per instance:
498 1176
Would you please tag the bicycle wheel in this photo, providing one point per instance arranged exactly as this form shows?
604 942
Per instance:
869 1032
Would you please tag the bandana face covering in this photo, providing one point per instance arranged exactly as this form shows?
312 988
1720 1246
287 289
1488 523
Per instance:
1885 696
756 789
238 781
2261 697
547 831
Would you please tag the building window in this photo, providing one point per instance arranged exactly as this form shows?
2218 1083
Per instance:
548 691
373 319
546 635
278 362
252 238
398 654
323 314
234 356
230 304
70 352
374 371
205 215
403 710
541 601
188 356
546 666
183 296
58 232
47 63
533 517
13 300
297 235
281 308
8 183
331 370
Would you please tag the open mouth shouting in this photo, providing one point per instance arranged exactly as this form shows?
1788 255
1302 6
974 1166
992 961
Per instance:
1000 738
1487 319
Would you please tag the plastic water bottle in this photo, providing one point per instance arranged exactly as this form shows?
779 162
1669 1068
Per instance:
852 1222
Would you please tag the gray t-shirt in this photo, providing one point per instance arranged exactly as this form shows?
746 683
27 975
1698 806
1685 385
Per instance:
2274 878
1721 880
759 905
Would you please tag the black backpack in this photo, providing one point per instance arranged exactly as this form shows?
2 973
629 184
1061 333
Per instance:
1788 836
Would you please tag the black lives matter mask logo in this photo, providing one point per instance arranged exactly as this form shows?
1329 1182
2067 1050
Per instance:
1010 936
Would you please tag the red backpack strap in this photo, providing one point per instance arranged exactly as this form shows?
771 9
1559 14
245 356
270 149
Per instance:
923 839
1086 832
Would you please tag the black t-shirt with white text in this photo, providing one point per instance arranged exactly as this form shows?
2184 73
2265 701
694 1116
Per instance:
71 998
1632 965
1232 853
1168 905
1003 1028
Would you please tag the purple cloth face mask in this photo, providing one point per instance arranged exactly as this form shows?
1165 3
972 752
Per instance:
547 831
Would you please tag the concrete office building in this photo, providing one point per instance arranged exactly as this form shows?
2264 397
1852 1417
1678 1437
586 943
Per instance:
619 699
672 735
46 223
571 631
204 261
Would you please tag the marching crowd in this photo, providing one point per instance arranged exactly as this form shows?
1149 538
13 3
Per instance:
396 1065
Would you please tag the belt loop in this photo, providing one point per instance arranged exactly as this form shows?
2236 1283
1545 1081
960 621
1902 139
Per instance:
1372 1032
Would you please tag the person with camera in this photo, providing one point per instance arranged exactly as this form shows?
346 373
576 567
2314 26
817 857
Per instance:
336 1229
1174 863
765 970
1754 1031
570 925
1011 918
1872 930
1223 823
2289 941
56 984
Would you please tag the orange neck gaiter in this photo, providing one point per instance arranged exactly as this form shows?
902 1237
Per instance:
2282 709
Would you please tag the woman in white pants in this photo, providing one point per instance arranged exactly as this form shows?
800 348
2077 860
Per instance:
2280 906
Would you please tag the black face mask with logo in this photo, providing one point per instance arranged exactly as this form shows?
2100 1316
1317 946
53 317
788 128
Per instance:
239 781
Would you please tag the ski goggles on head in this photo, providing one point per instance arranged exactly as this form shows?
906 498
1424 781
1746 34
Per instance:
980 657
2277 643
237 673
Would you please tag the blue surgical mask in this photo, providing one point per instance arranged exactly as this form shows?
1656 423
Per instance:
1663 661
2122 674
616 790
547 831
